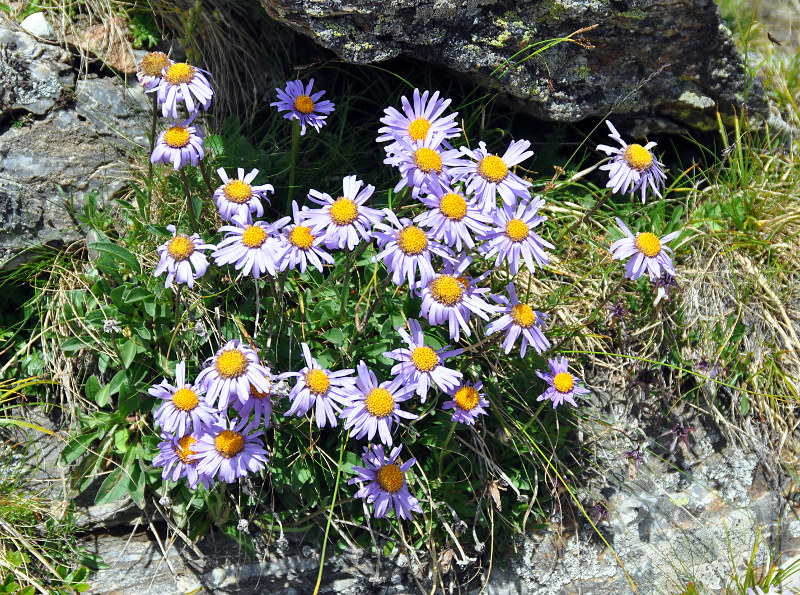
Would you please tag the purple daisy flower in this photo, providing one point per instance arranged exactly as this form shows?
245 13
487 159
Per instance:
300 246
179 144
321 388
344 221
446 299
650 254
514 236
421 366
259 403
179 460
563 385
422 161
452 217
238 199
229 450
418 121
632 167
387 487
252 248
230 373
519 319
405 249
490 175
300 104
374 408
150 68
182 82
182 258
184 409
468 403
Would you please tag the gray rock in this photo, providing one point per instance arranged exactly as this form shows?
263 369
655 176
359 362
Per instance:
76 136
649 59
679 517
33 75
38 25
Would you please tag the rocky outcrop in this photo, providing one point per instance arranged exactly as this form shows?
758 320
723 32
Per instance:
671 64
61 137
695 512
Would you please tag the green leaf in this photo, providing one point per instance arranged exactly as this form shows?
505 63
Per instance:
73 344
103 396
122 439
5 7
139 483
335 336
119 253
92 386
115 486
137 294
198 205
128 352
77 446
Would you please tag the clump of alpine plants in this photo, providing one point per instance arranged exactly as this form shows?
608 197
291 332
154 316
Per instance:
465 229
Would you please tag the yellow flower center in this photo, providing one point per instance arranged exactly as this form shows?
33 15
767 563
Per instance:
418 129
301 237
424 358
447 290
180 247
390 478
412 240
379 402
563 382
317 382
466 397
237 191
517 230
177 137
453 206
255 393
231 364
254 236
523 315
184 449
304 104
154 63
343 211
637 157
648 244
492 169
428 160
179 73
185 399
229 443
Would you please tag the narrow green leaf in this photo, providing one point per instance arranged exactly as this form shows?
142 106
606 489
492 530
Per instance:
115 486
128 352
119 253
92 386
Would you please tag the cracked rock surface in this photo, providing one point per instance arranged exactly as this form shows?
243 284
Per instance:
56 130
667 64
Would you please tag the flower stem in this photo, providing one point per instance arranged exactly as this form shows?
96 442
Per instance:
258 311
348 265
178 305
293 163
330 513
192 214
444 446
206 179
152 137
